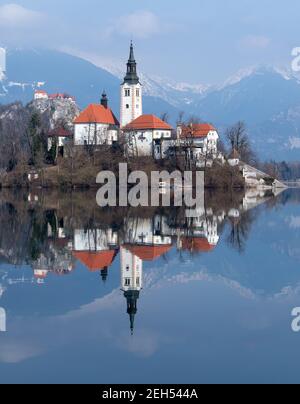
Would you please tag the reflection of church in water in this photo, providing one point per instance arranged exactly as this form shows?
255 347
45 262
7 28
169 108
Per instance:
142 240
136 240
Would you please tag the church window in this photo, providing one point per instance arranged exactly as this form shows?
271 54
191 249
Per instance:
137 92
127 106
127 92
137 106
127 282
137 281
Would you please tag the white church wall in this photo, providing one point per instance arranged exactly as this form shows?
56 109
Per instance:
131 103
92 240
94 134
131 271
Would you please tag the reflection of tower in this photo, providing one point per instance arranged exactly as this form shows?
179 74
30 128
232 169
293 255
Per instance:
104 274
131 281
132 298
2 320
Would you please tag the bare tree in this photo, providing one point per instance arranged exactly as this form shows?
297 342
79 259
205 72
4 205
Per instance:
180 118
238 140
165 117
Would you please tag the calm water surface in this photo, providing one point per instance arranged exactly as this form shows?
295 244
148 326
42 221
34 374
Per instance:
99 296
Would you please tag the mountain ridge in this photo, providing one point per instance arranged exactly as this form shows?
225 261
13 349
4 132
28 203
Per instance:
266 98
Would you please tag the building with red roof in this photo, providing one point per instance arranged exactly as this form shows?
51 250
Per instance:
148 135
59 137
201 141
197 244
149 252
96 125
96 249
97 261
196 131
41 95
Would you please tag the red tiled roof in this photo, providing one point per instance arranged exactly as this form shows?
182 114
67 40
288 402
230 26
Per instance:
41 92
96 113
96 261
197 244
148 122
40 274
197 130
148 253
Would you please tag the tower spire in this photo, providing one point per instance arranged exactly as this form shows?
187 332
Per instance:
104 100
131 54
132 297
131 74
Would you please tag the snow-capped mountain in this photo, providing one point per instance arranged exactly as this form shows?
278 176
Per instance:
287 74
266 98
176 94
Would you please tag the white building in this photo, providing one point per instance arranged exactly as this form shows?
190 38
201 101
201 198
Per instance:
96 249
146 232
131 271
201 138
96 125
95 239
234 158
131 93
131 281
41 95
2 63
148 136
60 137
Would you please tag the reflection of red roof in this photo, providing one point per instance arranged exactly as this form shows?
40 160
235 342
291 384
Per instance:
148 253
96 113
41 92
197 130
197 244
60 132
148 122
96 261
40 274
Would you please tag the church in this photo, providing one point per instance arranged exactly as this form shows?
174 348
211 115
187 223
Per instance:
144 134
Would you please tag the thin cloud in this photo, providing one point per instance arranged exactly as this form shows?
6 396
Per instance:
140 24
16 16
255 42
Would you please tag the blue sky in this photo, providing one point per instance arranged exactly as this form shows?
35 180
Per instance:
196 41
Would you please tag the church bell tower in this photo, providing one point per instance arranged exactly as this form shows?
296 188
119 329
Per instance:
131 93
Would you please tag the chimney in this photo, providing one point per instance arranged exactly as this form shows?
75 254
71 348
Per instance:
104 100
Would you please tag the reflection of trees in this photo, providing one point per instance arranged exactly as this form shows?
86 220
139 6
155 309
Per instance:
23 233
240 231
38 234
15 229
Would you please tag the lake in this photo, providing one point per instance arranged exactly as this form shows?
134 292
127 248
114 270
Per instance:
91 295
